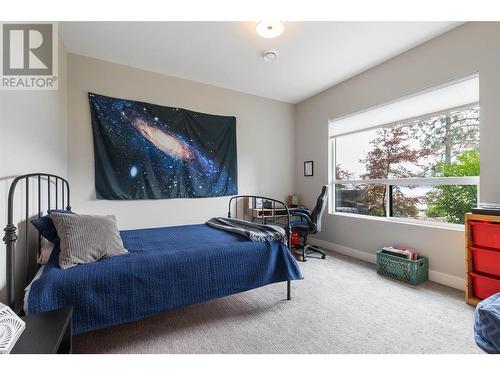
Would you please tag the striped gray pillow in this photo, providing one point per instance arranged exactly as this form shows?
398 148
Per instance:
86 238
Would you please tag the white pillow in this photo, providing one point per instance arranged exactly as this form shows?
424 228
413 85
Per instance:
45 252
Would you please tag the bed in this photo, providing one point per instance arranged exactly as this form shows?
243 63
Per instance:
166 268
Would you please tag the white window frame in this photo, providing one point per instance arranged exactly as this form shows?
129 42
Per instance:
413 181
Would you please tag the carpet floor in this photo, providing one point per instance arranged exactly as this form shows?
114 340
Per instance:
341 306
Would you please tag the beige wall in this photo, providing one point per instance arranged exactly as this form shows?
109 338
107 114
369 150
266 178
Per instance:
32 139
265 131
473 47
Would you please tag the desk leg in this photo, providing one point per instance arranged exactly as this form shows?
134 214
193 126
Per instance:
288 290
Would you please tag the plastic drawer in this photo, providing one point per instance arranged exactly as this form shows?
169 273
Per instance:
485 234
484 286
486 261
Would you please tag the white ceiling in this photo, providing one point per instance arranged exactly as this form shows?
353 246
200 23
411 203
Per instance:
312 56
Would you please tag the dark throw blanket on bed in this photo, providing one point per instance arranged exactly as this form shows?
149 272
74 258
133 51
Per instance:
166 268
252 231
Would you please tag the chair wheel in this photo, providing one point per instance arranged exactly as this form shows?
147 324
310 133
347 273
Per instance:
323 257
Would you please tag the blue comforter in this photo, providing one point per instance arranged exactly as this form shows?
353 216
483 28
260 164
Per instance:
166 268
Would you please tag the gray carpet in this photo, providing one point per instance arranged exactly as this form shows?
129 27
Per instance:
342 306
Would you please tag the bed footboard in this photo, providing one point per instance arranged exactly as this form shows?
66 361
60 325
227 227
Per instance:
263 210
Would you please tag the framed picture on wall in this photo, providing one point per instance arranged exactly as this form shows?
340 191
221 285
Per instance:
308 168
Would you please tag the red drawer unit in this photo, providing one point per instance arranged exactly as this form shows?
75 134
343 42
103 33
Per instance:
485 234
486 261
484 286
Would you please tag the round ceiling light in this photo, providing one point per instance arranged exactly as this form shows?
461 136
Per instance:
270 29
270 56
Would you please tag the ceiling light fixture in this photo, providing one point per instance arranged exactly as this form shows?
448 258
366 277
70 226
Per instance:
269 56
270 29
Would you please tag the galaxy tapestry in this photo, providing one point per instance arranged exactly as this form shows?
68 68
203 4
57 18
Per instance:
147 151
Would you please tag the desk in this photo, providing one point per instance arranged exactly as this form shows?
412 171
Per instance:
266 214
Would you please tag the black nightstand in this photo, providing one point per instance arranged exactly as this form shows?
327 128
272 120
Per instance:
46 333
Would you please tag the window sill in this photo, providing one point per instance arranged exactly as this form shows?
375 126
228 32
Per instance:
415 222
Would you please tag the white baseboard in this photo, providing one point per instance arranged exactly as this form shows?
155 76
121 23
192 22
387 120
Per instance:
448 280
358 254
436 276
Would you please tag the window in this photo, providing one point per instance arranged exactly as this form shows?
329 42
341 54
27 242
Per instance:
423 166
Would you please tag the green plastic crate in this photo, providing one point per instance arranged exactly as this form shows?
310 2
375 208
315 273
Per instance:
409 271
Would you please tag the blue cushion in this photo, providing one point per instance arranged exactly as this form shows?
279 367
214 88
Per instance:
487 324
46 227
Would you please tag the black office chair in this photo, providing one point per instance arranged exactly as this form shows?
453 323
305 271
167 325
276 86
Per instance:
310 223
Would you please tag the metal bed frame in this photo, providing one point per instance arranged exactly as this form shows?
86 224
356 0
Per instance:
276 205
62 201
51 181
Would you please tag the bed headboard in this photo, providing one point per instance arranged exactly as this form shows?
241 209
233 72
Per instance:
56 196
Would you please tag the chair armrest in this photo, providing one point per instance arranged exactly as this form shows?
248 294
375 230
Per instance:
302 209
307 218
